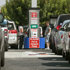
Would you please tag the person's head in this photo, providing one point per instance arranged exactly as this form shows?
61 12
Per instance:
47 23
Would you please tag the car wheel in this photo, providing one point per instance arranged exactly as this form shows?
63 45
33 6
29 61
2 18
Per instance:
63 54
6 47
2 51
53 47
2 58
67 56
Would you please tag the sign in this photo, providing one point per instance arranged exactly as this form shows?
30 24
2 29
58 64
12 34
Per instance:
34 26
34 23
34 3
34 33
34 43
34 17
34 14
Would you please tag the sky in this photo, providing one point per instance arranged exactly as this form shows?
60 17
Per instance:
2 2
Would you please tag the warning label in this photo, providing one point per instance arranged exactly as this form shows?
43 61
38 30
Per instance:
34 43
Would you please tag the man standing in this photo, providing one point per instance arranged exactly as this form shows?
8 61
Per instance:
47 35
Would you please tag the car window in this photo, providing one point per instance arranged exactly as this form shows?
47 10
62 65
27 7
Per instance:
65 26
4 25
10 26
69 25
61 19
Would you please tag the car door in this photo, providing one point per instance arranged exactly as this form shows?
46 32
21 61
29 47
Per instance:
59 36
67 36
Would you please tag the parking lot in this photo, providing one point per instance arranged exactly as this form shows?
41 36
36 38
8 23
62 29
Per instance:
34 59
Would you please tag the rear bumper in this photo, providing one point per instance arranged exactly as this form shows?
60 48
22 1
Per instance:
13 42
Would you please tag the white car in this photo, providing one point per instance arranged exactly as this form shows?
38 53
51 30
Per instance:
12 34
66 39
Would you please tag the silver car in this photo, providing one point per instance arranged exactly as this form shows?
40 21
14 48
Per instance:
1 42
57 33
66 39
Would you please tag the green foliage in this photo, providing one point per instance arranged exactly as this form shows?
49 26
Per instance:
17 10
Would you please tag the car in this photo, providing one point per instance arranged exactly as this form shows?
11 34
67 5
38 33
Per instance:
2 43
69 51
12 35
56 35
5 29
66 39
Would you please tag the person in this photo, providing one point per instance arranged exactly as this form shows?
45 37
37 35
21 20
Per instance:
47 35
21 36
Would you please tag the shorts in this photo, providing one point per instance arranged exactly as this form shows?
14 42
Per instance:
47 38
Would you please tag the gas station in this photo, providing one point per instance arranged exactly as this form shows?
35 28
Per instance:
34 40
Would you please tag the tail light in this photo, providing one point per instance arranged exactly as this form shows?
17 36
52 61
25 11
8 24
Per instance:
61 36
58 27
13 31
69 34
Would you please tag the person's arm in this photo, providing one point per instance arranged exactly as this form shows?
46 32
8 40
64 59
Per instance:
49 30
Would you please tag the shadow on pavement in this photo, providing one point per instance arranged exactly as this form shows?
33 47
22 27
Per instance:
52 58
57 63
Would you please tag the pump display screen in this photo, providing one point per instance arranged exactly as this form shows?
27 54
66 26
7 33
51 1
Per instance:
1 18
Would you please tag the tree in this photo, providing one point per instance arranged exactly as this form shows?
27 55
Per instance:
17 10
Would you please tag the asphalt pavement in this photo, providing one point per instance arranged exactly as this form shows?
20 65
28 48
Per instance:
34 59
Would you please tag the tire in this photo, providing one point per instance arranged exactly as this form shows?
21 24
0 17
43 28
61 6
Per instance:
53 47
2 51
2 59
67 56
63 54
14 46
2 56
6 47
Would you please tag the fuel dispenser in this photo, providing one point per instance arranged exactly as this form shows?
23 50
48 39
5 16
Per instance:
34 40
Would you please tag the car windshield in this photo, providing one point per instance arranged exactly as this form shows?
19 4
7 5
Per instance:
4 25
63 18
10 26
